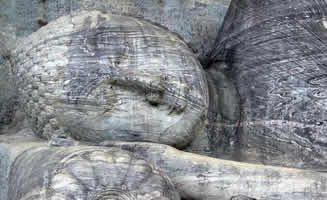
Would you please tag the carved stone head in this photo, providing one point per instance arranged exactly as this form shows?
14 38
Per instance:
107 77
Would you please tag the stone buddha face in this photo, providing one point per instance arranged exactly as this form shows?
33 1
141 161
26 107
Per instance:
108 77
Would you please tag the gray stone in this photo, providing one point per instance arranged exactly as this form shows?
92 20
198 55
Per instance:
275 52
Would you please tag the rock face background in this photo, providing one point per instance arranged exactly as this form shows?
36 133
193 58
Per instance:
197 21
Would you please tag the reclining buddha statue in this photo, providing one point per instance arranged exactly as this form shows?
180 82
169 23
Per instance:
114 106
